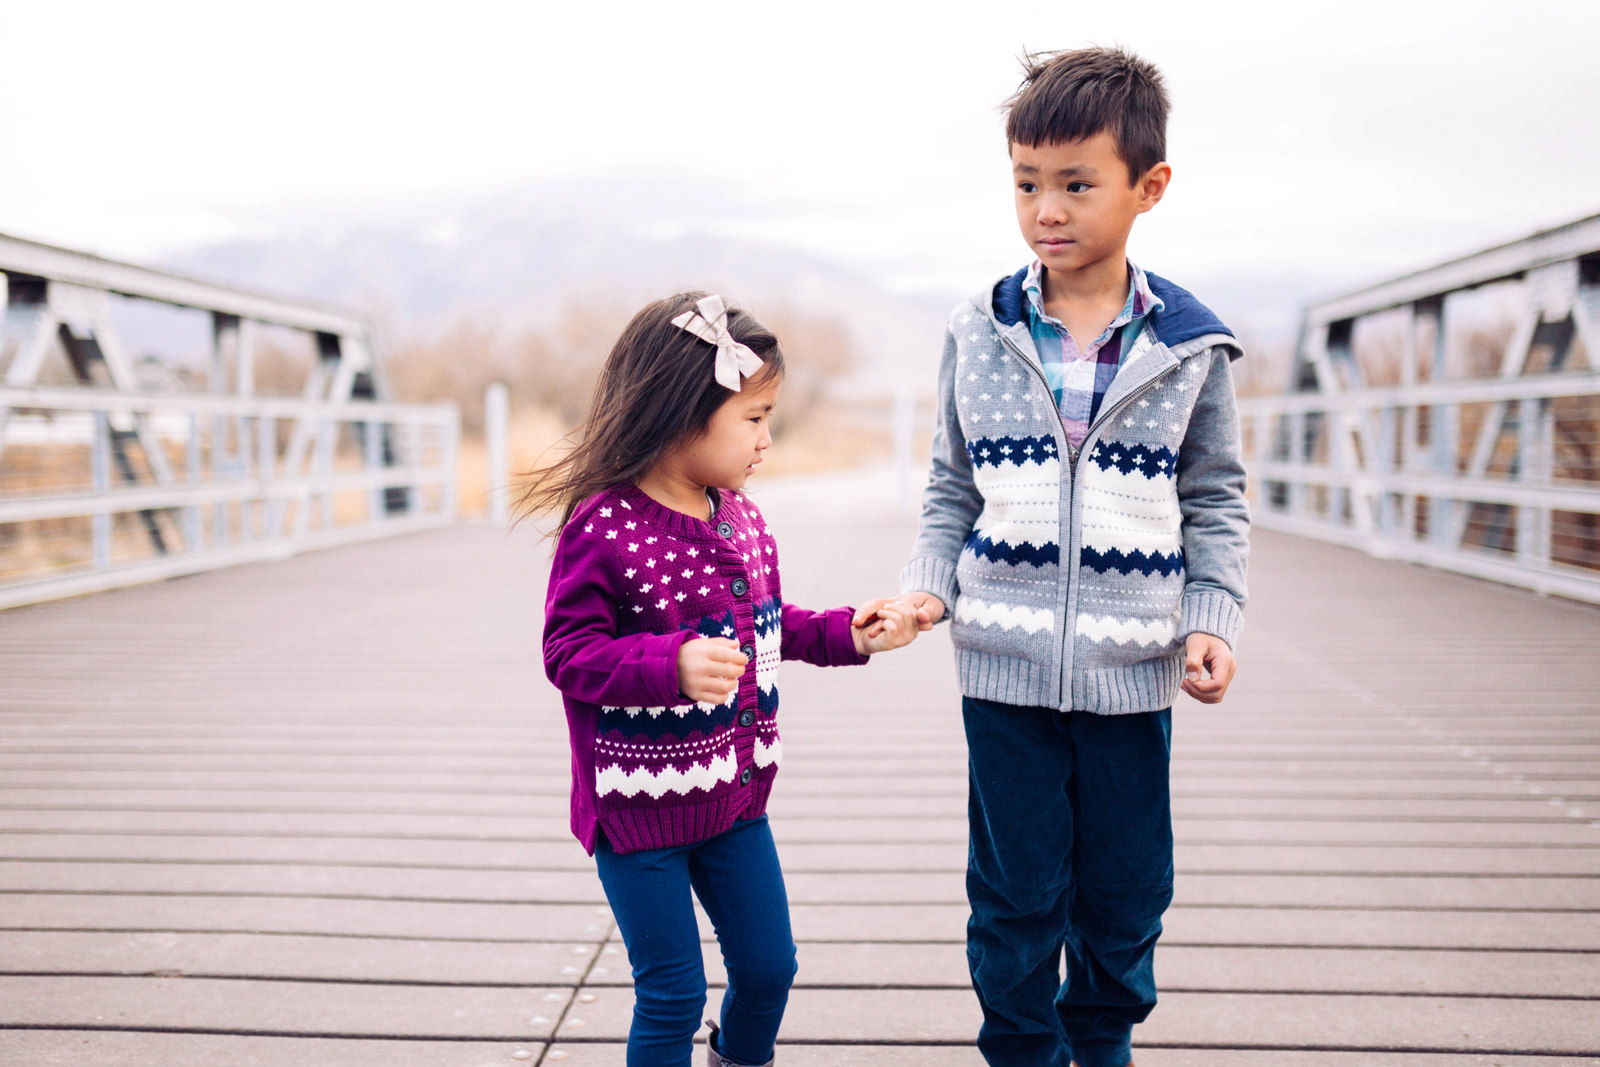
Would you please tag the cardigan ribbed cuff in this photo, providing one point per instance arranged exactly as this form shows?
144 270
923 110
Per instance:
1210 612
841 641
930 574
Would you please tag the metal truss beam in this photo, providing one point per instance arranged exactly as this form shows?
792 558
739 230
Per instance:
1390 468
21 256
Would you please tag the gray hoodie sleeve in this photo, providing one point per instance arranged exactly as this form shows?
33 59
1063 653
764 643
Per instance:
1216 516
950 503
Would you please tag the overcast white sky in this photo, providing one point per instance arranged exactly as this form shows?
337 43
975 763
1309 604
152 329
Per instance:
1338 141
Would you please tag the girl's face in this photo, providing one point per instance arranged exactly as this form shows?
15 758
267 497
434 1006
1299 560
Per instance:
726 453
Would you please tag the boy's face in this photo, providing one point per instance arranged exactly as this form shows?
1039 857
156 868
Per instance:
1074 203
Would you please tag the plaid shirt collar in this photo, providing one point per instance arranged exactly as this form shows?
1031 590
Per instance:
1141 301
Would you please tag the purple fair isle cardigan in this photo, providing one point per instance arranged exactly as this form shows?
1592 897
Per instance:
632 580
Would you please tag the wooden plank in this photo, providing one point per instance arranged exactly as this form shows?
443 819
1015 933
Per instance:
1211 968
1515 804
335 959
613 1054
1512 805
300 915
492 855
1323 891
388 883
1574 830
1264 926
1210 1020
292 824
201 1005
937 887
225 848
823 857
79 798
1393 859
817 796
63 1048
344 784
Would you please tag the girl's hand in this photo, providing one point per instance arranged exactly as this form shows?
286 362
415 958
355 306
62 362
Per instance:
885 624
709 669
928 610
1212 653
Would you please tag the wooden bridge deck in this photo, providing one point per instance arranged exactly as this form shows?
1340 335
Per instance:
314 813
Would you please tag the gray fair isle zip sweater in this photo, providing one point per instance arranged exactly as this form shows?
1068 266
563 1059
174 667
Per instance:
1072 577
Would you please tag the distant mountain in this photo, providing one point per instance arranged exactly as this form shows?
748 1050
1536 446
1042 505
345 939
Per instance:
515 259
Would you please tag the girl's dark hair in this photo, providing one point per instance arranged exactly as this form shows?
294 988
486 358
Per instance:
1068 96
655 391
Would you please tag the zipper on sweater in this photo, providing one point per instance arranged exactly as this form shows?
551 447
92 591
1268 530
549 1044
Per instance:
1069 563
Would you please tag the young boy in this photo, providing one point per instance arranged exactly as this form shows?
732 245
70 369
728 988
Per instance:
1086 527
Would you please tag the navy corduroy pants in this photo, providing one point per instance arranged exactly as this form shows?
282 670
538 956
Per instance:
1070 821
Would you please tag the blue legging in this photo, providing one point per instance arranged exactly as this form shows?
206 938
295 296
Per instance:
739 883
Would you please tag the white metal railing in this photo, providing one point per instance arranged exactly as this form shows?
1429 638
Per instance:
1496 475
260 479
103 484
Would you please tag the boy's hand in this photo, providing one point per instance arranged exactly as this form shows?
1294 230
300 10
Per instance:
893 624
1213 654
709 669
929 610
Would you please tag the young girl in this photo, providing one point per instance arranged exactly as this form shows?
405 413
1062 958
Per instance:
664 625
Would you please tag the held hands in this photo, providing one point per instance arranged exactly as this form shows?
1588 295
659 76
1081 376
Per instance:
1213 654
885 623
709 669
929 609
1208 669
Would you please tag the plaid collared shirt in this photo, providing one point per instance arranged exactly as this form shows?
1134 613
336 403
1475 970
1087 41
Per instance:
1079 378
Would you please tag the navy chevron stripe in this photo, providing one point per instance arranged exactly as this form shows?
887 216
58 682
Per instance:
768 616
1114 559
1005 552
998 451
621 727
717 626
1150 462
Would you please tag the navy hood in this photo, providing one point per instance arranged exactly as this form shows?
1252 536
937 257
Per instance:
1182 319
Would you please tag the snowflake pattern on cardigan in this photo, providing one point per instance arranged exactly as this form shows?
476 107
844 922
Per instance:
630 582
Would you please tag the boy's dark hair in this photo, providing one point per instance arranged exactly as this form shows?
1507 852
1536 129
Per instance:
1068 96
656 389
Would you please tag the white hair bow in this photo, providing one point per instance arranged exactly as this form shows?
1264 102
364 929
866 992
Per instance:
709 322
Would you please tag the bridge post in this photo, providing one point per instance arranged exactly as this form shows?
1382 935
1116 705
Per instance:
100 474
904 423
193 522
1536 466
496 420
1444 430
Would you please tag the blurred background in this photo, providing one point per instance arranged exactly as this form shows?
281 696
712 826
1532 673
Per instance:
314 811
497 186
